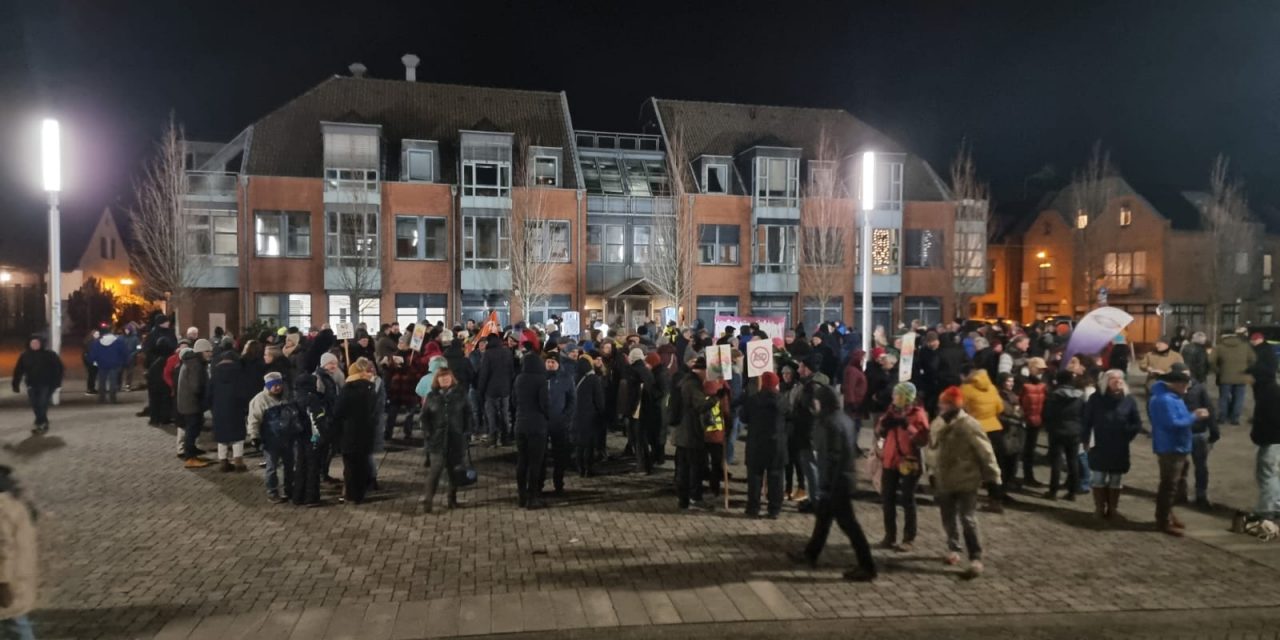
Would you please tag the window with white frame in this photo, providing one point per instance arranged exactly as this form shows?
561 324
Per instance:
552 305
282 234
477 306
924 249
777 182
646 177
775 248
719 244
772 306
715 178
817 311
889 185
641 244
488 179
546 171
365 310
711 306
1266 313
1194 316
336 179
420 238
1242 263
420 164
417 308
822 178
284 309
1125 270
1230 316
486 242
351 238
549 240
970 254
884 251
927 310
211 232
602 175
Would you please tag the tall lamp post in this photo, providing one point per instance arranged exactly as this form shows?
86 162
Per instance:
868 204
51 154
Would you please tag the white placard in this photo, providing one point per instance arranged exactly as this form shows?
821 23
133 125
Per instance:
759 357
772 326
419 335
570 323
906 360
344 331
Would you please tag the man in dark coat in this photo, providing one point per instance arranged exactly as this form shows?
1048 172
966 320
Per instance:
561 406
497 367
766 445
690 436
356 425
41 369
951 360
1204 433
158 345
924 374
1266 363
588 415
230 409
1266 435
532 417
463 374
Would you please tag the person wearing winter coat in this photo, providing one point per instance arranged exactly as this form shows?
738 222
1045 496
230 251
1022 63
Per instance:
690 436
1031 398
854 390
925 374
229 408
905 429
982 402
1265 433
1014 428
1196 357
192 399
355 423
41 369
766 445
1231 361
562 398
1063 415
961 460
1110 422
833 440
277 448
588 415
404 368
881 377
533 415
494 379
446 421
1204 434
1158 361
1171 425
800 443
19 553
110 355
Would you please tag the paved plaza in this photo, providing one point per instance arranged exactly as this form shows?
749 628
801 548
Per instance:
136 546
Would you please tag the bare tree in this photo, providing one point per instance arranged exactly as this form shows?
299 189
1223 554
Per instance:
972 227
825 230
674 258
1091 190
533 245
356 261
164 254
1225 218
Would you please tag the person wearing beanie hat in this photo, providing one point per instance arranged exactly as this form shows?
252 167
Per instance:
904 426
268 408
639 409
1158 361
446 338
960 459
192 399
766 446
203 346
636 355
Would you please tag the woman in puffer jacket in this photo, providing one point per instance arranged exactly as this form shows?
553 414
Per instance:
905 429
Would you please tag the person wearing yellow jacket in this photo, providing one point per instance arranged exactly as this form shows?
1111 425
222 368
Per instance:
982 402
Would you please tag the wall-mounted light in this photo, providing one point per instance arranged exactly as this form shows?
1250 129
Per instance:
1041 255
5 276
128 282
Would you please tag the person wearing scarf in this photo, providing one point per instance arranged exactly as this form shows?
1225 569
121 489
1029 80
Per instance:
904 426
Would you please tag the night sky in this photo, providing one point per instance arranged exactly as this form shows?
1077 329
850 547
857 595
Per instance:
1165 85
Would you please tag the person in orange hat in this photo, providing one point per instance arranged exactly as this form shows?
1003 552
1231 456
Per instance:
960 460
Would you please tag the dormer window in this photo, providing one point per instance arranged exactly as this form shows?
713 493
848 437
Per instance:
421 163
777 181
1126 215
546 171
1082 219
715 178
822 178
486 179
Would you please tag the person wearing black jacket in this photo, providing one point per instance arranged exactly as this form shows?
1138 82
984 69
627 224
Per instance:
951 360
1063 415
924 373
1266 434
1204 433
459 364
1111 417
766 445
833 440
532 417
588 415
446 419
42 371
561 400
356 423
493 382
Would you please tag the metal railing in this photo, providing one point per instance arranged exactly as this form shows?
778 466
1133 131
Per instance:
629 205
211 183
620 141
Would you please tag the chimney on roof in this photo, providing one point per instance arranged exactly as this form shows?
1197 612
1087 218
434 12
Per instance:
410 66
357 69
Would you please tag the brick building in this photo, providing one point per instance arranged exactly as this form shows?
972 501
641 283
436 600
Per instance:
372 199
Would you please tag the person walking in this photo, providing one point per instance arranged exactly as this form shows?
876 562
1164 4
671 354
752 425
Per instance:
766 446
446 421
229 410
1111 421
1265 433
356 423
904 426
192 399
960 460
1171 424
1231 362
42 370
532 416
833 439
1063 412
19 554
1204 433
109 356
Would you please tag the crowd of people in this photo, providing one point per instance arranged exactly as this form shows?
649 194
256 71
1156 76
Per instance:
965 416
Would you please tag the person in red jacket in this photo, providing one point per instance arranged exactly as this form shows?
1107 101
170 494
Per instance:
905 429
1031 398
854 390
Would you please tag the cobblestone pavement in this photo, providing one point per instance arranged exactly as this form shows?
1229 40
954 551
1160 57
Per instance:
134 544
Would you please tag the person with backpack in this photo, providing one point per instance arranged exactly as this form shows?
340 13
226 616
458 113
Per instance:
1063 413
1031 399
562 396
446 421
905 429
315 395
588 415
690 437
276 424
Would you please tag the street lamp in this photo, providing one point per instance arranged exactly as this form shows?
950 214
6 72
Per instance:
51 155
868 204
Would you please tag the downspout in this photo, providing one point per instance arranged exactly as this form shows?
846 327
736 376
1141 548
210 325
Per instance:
247 226
454 305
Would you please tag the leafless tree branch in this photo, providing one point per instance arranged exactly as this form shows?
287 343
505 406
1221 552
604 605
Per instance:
825 230
161 252
972 223
674 259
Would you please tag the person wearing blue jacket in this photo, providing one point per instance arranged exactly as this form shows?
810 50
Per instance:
1171 425
110 355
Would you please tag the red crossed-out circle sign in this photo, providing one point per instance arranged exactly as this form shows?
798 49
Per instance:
761 355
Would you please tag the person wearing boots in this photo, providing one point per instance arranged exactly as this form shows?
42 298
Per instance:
446 421
1204 433
1110 422
1171 424
532 415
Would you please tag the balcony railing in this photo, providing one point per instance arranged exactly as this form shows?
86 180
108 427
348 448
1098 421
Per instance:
211 185
621 141
629 205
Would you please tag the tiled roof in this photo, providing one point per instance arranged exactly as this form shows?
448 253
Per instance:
288 141
1175 205
726 129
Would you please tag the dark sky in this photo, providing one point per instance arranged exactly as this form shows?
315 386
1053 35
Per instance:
1166 85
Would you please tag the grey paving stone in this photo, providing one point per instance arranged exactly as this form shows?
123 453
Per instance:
245 624
773 598
475 615
346 622
444 617
411 621
598 608
689 605
508 613
628 607
746 601
539 611
718 604
178 629
312 623
379 621
568 609
211 628
659 607
278 624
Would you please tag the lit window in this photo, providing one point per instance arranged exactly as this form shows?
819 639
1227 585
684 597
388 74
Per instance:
351 238
211 232
487 179
924 249
1126 216
641 243
884 252
549 240
777 182
1125 271
1242 263
365 310
1082 219
1266 272
282 234
350 180
546 171
420 238
284 309
417 308
1044 277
